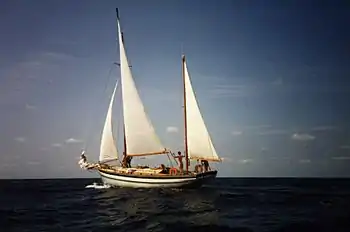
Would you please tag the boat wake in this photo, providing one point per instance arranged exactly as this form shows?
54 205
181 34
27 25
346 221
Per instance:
97 186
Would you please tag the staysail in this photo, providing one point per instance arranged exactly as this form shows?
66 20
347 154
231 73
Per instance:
199 143
108 150
141 138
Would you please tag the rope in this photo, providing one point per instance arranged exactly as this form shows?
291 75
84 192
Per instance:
171 163
88 134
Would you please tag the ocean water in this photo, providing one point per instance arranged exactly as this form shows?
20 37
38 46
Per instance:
229 204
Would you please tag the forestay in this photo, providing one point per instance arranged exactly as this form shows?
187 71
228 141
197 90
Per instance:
108 150
199 142
141 138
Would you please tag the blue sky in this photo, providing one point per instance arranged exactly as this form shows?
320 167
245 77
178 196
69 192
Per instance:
271 78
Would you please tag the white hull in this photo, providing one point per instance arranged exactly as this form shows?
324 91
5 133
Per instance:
120 180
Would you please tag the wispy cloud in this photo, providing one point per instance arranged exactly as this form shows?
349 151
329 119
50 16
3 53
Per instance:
56 55
273 132
20 139
8 165
302 137
33 163
56 145
73 140
345 147
224 91
227 159
30 107
228 90
341 158
245 161
323 128
21 79
262 130
304 161
258 127
172 129
236 133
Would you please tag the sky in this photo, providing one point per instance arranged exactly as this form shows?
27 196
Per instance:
272 80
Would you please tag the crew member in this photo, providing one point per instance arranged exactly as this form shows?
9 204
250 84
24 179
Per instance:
179 157
205 164
83 161
128 161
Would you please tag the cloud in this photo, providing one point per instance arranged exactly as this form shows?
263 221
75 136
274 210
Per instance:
172 129
302 137
236 133
20 139
8 165
229 90
73 140
56 55
272 132
30 107
245 161
226 159
21 79
56 145
346 147
341 158
304 161
257 127
323 128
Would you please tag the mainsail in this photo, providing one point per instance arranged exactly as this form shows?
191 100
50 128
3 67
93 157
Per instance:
199 144
108 150
141 138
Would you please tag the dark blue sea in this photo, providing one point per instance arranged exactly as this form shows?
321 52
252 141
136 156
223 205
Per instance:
229 204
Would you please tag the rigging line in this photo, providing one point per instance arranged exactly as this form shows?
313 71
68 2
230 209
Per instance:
171 163
173 155
89 127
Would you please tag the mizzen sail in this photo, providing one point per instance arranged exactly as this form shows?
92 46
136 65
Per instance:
199 143
108 150
141 138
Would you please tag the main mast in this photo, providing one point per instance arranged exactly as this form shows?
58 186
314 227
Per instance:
124 142
185 112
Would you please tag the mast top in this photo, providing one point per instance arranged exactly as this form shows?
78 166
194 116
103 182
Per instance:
117 12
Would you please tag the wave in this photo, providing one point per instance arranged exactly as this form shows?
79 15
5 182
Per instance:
97 186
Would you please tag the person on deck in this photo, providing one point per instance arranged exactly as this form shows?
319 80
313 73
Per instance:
164 171
206 166
179 157
128 161
83 161
124 161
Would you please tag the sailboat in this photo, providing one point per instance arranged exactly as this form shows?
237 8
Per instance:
140 139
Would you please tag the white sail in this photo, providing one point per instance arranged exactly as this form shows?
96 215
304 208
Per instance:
199 142
108 150
141 138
